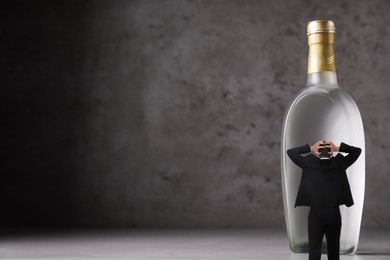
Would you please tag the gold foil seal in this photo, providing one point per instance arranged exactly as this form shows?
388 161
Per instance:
321 26
321 38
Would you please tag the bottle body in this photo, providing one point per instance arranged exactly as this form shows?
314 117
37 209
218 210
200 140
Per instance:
322 111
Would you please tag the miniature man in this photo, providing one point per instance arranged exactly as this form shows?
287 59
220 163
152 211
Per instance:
324 186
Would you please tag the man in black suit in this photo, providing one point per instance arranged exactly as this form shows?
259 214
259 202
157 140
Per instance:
324 186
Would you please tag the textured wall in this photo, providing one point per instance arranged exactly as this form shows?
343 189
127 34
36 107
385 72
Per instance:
169 113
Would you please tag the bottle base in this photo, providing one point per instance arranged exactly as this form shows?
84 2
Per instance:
304 248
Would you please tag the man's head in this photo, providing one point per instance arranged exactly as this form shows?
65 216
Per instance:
324 151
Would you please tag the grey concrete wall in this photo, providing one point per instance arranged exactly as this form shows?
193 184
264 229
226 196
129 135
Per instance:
169 113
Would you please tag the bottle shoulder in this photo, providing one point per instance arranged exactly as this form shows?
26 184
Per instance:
334 92
322 97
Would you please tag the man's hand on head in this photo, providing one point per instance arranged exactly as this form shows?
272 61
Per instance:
333 147
319 144
324 144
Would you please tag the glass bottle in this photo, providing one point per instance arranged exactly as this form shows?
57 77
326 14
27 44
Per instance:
322 111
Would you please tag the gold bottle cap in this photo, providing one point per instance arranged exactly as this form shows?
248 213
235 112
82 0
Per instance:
321 26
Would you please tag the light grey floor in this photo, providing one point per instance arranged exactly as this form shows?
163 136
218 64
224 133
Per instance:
170 244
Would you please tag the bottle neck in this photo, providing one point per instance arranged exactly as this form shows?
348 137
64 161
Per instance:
321 67
321 78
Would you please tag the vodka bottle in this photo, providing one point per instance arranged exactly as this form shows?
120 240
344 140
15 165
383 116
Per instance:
322 111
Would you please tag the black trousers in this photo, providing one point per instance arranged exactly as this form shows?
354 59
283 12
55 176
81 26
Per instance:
324 221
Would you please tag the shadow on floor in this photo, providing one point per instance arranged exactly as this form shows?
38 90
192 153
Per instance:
373 252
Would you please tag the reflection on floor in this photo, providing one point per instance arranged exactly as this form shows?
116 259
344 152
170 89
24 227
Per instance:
172 244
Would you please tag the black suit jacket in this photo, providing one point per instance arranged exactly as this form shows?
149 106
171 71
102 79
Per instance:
324 182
